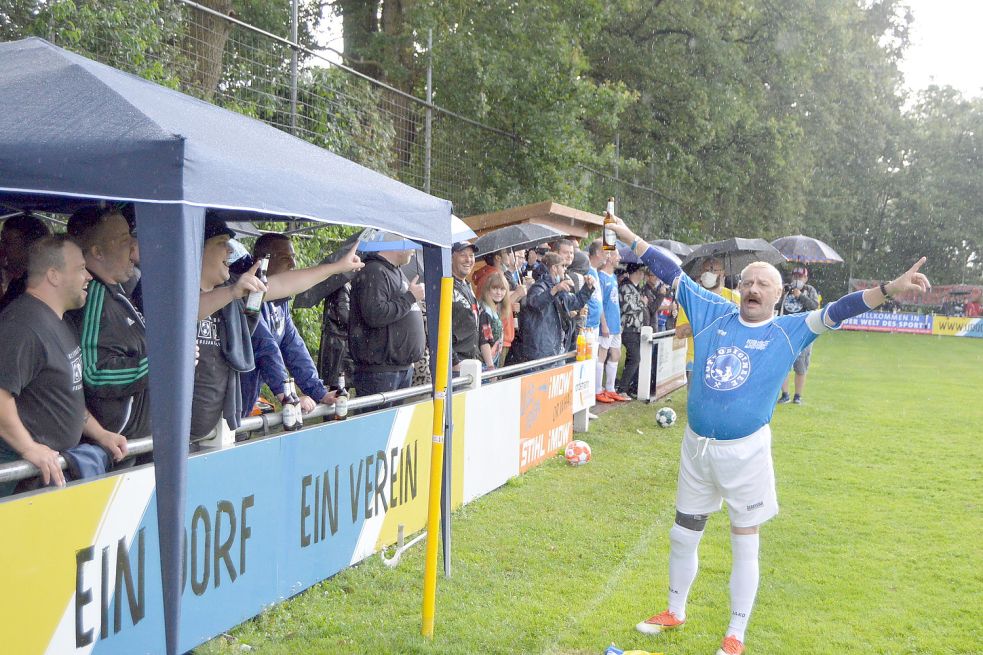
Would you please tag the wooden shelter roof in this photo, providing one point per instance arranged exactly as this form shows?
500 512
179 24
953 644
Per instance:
575 222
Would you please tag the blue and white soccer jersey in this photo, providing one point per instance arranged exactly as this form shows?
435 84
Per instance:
738 369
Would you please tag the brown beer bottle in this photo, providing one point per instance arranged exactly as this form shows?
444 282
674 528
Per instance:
610 238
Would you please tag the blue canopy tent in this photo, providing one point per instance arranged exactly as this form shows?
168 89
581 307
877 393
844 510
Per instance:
74 131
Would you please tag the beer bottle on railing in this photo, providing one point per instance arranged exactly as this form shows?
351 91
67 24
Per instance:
254 301
293 419
610 238
341 400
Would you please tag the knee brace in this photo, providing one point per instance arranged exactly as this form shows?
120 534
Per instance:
694 522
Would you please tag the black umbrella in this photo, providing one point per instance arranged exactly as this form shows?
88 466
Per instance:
517 237
736 253
806 250
675 247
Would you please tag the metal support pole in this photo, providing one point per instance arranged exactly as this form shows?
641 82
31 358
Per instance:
428 127
645 371
293 65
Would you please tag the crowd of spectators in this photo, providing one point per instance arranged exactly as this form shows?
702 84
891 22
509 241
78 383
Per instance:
75 380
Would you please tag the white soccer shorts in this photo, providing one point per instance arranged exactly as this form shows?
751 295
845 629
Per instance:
738 471
610 341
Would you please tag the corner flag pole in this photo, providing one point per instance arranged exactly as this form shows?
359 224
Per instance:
437 455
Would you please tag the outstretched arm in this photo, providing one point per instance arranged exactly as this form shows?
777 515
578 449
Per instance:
858 302
662 266
290 283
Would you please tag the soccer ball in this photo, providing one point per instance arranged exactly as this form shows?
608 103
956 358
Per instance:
665 417
577 453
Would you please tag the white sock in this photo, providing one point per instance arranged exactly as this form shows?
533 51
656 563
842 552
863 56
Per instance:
611 370
599 369
683 564
743 581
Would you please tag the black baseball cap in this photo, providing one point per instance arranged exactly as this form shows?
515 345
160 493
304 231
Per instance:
215 226
462 245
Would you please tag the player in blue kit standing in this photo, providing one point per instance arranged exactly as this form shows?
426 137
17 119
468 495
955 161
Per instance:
742 356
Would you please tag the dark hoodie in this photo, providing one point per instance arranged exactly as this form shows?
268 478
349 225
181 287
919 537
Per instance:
385 324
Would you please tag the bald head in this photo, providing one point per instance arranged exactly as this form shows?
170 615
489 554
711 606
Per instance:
760 287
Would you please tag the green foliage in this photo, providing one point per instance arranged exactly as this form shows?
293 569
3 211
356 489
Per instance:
133 35
878 521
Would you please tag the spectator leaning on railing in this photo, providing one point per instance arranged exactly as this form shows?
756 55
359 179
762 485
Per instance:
278 348
224 331
385 334
42 404
548 300
110 329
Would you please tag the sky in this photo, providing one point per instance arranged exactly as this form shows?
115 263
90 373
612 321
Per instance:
946 45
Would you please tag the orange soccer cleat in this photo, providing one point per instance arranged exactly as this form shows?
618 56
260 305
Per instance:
659 623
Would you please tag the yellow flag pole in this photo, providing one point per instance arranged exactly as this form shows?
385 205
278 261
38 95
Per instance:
437 455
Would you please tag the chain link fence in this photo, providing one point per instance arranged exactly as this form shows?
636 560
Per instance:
184 45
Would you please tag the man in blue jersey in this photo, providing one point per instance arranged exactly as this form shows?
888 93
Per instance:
742 356
609 343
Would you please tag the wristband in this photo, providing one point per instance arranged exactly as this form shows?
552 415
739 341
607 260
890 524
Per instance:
634 244
884 291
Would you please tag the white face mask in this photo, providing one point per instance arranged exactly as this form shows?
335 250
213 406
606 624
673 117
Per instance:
708 279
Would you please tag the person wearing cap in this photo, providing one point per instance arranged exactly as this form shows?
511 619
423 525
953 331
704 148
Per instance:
464 308
224 331
798 297
385 323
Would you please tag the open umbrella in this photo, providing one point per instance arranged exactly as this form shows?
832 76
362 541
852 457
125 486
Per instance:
736 253
806 250
517 237
675 247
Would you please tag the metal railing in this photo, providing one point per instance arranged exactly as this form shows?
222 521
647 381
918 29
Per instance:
22 469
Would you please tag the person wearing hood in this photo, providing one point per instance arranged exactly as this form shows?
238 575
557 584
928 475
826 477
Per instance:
711 278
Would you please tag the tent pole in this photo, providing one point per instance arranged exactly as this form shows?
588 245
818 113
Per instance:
441 367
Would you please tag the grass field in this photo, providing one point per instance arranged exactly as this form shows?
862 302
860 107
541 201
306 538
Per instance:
878 547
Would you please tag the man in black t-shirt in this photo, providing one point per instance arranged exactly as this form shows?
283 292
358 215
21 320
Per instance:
42 405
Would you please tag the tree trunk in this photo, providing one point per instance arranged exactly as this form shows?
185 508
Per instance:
207 36
360 24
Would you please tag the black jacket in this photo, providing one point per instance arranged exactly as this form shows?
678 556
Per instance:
541 321
385 331
464 323
114 359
